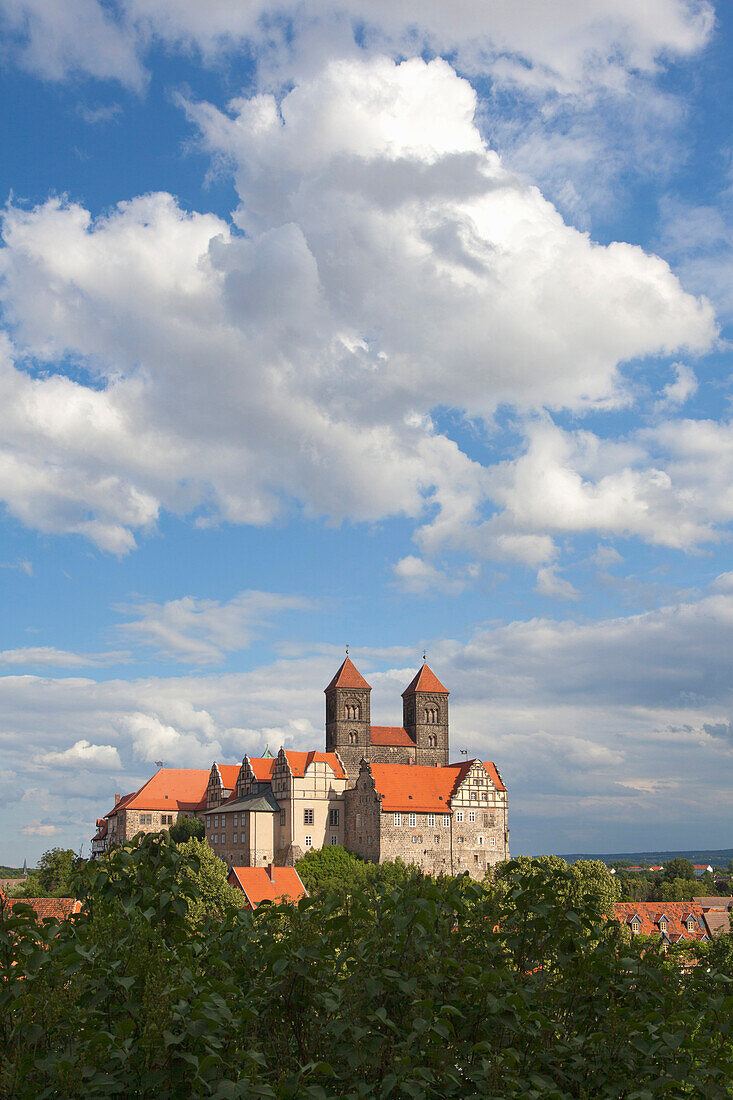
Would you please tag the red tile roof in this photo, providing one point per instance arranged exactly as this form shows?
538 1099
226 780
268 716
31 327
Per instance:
649 914
494 774
418 788
300 761
268 884
228 773
348 676
263 767
390 735
47 908
184 787
425 680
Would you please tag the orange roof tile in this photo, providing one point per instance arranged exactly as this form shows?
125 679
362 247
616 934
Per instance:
268 884
168 789
494 774
421 789
425 680
299 761
48 908
390 735
348 676
650 913
228 773
263 767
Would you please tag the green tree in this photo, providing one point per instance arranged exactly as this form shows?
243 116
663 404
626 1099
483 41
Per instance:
332 868
52 877
187 828
678 868
205 876
680 889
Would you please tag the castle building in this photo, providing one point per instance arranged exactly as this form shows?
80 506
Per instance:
380 791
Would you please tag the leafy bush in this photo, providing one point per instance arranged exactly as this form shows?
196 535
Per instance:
414 988
187 828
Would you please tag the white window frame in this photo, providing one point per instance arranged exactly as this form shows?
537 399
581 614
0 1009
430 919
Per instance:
309 841
208 821
412 820
397 819
309 816
431 820
459 815
472 816
446 821
492 842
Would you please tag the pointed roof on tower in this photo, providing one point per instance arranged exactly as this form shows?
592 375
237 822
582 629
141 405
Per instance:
425 680
348 676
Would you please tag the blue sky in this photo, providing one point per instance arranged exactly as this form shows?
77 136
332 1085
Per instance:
394 325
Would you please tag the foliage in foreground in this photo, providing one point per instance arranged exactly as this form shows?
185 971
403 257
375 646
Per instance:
416 989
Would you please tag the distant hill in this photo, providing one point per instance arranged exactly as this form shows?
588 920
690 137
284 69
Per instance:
717 857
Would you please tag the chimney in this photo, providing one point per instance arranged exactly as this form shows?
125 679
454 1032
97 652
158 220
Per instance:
117 798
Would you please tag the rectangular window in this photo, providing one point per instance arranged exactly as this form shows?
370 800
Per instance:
414 839
333 817
309 842
459 815
235 823
215 839
480 840
216 822
486 819
358 820
398 818
282 817
475 859
484 796
460 840
235 839
492 842
307 817
208 821
446 820
431 820
471 815
437 839
413 820
334 840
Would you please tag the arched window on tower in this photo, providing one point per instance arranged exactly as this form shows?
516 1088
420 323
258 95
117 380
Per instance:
431 715
353 712
352 738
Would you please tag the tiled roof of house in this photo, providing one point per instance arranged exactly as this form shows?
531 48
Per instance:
47 908
425 680
715 903
422 789
650 913
168 789
264 802
268 884
300 761
390 735
348 676
717 920
494 773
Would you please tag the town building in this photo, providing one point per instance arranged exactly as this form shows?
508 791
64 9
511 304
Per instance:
268 883
45 908
672 921
278 808
445 819
718 913
170 794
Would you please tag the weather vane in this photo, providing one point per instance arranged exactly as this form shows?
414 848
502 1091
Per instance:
424 655
347 651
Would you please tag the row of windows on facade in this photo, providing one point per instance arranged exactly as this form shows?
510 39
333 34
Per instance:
334 818
221 839
412 818
663 925
147 819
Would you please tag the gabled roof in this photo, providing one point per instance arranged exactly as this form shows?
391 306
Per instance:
268 884
168 789
425 680
47 908
228 774
715 903
262 767
405 787
348 676
299 762
390 735
265 802
650 913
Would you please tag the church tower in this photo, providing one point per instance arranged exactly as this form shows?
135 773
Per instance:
425 717
348 718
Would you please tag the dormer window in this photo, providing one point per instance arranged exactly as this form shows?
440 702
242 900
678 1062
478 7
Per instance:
635 926
663 925
691 924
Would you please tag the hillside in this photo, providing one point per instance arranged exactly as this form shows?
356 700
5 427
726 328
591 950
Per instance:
717 857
